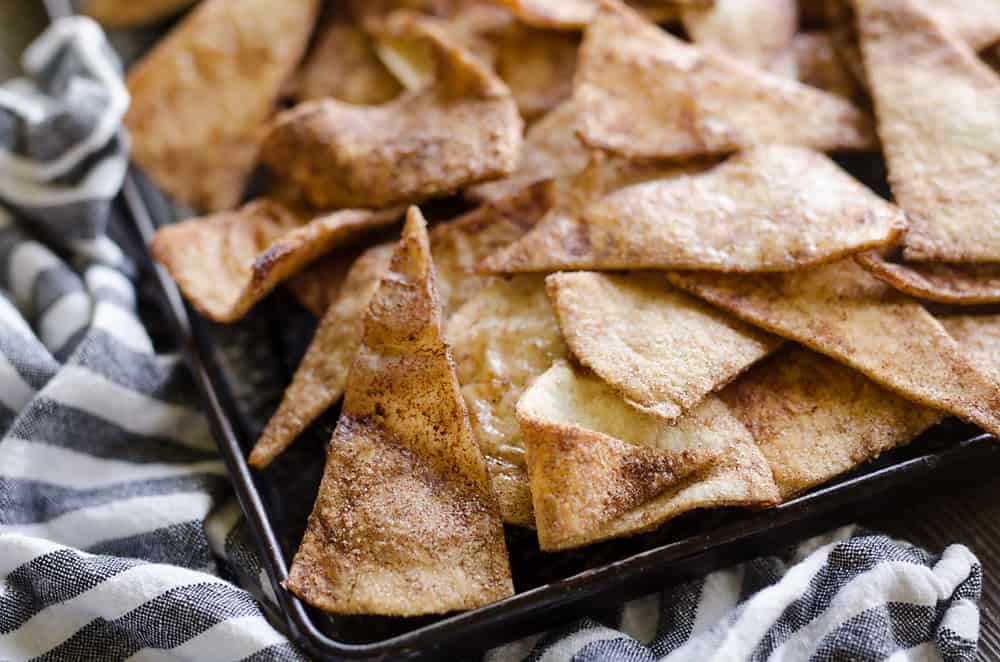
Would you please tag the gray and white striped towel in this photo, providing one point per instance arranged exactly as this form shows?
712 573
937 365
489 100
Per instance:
116 525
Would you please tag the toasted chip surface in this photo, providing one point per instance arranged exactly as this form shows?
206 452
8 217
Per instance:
817 64
537 65
502 339
405 522
769 208
128 13
979 337
938 107
576 14
644 93
938 281
975 23
226 262
201 95
756 31
462 129
660 349
844 312
600 468
814 418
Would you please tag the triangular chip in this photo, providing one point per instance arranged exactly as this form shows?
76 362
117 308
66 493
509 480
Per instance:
227 262
200 96
645 93
129 13
960 284
814 418
770 208
502 339
405 522
844 312
979 337
938 109
756 31
455 246
576 14
462 129
976 23
662 350
600 469
818 64
537 65
551 149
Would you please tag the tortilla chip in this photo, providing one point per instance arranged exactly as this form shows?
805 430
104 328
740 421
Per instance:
755 31
576 14
960 284
814 418
979 337
551 149
460 130
842 311
455 246
600 469
405 522
201 95
645 93
818 64
938 109
661 350
769 208
975 23
130 14
502 339
343 65
538 67
318 285
227 262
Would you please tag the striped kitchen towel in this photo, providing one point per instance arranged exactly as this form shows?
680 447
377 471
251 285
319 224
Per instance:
118 535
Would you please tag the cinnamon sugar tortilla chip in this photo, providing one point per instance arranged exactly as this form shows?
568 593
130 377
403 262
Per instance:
342 64
405 522
502 339
226 262
601 469
456 246
576 14
844 312
755 31
200 97
814 418
462 129
770 208
645 93
938 108
960 284
660 349
818 64
128 13
538 67
979 337
975 23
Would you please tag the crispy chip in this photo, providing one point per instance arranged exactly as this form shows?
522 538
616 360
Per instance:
405 522
460 130
644 93
227 262
551 149
770 208
201 95
817 64
343 65
755 31
979 337
601 469
538 67
129 13
662 350
960 284
814 418
842 311
938 109
576 14
502 339
976 23
456 246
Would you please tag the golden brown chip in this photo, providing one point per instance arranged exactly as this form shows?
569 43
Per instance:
844 312
662 350
643 93
576 14
770 208
129 13
538 67
817 64
405 522
976 23
814 418
462 129
321 377
502 339
318 285
201 95
342 64
456 246
755 31
938 109
551 149
960 284
226 262
601 469
979 337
